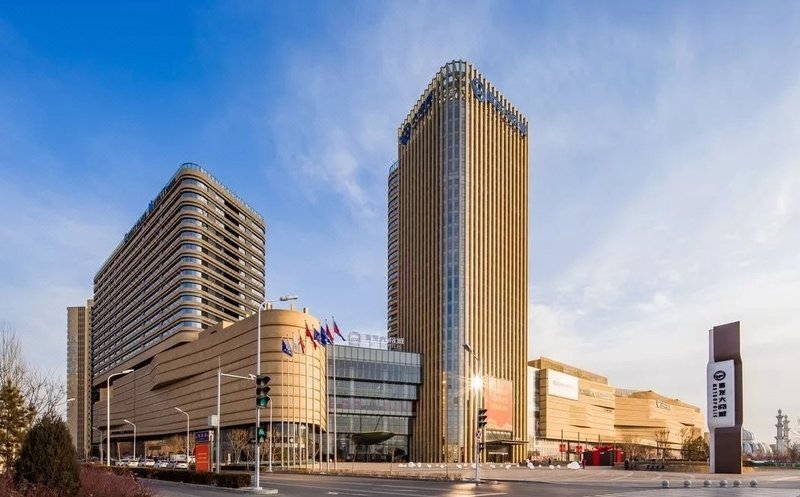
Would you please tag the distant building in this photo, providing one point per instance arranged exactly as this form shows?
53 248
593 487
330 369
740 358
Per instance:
458 261
79 379
193 259
574 410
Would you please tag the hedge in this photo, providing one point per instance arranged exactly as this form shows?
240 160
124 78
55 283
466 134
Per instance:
228 479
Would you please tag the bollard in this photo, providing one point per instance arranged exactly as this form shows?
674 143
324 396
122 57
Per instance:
706 483
665 484
737 483
687 484
753 483
723 483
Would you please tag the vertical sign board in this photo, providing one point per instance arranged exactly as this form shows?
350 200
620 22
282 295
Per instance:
202 462
724 398
720 394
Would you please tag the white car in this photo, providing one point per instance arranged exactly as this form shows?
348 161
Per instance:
163 464
149 463
133 463
179 465
123 462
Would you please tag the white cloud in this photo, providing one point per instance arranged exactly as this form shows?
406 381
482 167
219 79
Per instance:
726 249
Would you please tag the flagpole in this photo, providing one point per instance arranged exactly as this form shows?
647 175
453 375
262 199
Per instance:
305 404
335 432
283 414
296 414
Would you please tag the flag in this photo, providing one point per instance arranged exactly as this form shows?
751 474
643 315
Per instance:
336 330
285 348
311 337
323 339
318 336
302 343
328 332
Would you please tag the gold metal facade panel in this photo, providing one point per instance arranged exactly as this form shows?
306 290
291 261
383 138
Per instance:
186 377
590 418
495 259
603 414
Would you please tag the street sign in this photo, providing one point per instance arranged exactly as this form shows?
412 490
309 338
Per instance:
478 435
562 447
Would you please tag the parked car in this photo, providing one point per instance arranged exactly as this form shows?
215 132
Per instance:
133 463
149 463
162 464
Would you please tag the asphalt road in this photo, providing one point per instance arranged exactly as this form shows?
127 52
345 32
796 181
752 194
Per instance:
291 485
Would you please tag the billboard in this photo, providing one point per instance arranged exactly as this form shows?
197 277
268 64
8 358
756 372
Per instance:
562 385
498 399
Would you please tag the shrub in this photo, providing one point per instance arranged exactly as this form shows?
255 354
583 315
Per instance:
233 480
47 458
227 479
96 482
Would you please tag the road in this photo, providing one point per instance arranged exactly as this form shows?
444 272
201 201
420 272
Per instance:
295 485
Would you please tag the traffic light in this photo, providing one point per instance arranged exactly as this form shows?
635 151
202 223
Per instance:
481 446
262 435
262 390
481 418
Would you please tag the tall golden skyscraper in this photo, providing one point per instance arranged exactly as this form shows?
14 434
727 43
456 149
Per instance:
458 262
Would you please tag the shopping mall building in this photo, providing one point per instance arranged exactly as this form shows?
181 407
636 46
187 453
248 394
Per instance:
574 411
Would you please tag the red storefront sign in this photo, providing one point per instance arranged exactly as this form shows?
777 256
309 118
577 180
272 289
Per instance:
201 460
562 447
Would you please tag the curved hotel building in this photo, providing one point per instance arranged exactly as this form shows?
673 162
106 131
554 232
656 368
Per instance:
458 262
193 259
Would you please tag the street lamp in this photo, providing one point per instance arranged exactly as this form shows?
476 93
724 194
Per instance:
270 432
262 307
101 442
476 385
134 439
187 431
108 413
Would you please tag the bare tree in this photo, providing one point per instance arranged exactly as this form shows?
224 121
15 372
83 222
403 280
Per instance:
631 446
43 392
238 439
793 452
662 438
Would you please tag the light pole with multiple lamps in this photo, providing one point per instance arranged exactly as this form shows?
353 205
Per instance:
187 431
262 307
134 438
108 413
476 385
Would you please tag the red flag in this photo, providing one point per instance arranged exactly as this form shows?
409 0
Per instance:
328 332
309 335
302 343
336 330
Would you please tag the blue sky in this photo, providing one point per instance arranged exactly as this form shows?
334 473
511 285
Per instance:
665 157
